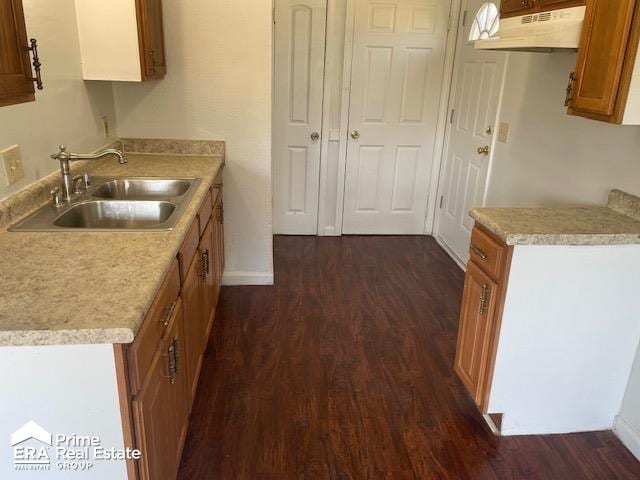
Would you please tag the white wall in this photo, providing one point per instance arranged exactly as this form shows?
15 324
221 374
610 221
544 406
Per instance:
67 110
553 158
218 87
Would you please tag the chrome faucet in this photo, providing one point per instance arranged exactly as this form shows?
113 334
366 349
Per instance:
68 182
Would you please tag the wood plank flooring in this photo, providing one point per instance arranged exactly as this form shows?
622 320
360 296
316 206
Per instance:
343 370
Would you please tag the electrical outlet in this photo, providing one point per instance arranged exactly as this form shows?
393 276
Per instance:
12 165
503 132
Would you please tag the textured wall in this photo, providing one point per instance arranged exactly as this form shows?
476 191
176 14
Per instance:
553 158
218 87
68 110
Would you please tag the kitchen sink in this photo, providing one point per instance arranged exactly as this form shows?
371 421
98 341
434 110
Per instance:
142 189
116 214
117 204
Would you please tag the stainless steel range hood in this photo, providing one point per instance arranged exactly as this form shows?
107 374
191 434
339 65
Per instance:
539 32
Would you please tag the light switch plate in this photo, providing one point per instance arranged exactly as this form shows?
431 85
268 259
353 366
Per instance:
11 161
503 132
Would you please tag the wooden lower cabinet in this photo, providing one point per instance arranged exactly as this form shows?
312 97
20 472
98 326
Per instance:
194 324
481 313
160 408
158 373
476 321
207 252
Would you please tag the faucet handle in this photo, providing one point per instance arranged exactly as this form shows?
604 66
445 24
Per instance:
55 197
87 180
61 150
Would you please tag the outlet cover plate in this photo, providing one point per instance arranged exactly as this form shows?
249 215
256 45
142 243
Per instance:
11 161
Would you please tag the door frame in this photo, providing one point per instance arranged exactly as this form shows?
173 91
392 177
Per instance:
342 135
448 126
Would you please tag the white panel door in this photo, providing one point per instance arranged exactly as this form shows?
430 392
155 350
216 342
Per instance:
475 98
297 120
397 71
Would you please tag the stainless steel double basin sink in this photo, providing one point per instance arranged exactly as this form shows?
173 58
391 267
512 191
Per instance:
118 204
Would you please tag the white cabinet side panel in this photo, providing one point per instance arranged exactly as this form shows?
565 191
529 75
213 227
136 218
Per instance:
70 389
569 335
109 45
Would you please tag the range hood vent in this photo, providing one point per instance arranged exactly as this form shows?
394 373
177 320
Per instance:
539 32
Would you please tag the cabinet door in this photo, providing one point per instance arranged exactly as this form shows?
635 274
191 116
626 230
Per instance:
477 319
601 56
180 392
16 84
207 252
218 216
194 326
152 38
513 8
160 409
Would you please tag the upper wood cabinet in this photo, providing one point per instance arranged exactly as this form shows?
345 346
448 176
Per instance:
513 8
16 79
604 85
121 40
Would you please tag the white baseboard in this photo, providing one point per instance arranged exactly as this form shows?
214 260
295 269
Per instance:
247 278
627 435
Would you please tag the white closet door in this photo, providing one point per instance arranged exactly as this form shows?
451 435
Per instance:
297 120
397 74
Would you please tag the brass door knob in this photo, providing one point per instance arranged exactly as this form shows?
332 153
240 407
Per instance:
483 150
355 134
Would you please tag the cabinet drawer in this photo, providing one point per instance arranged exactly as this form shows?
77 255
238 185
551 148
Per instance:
188 249
204 214
487 252
153 328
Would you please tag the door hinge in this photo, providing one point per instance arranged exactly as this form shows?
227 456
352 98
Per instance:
273 14
464 19
453 112
441 200
449 23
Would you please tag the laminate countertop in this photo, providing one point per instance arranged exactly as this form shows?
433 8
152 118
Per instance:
616 224
88 288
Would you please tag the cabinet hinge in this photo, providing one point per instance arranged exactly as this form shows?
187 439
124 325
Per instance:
464 19
449 23
273 15
441 200
453 112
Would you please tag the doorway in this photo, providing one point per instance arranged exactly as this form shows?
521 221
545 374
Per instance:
470 137
377 168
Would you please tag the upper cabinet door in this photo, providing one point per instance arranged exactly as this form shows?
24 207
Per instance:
135 54
16 79
152 39
601 56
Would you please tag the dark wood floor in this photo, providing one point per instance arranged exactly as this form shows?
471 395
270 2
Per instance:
343 370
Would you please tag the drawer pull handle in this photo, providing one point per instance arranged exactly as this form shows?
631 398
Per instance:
176 356
484 300
171 363
478 251
168 313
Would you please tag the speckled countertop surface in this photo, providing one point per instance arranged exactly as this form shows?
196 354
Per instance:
85 288
616 224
